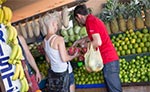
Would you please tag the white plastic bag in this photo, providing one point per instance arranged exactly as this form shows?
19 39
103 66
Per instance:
93 59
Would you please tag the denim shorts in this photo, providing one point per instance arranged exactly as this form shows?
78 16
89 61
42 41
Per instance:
71 78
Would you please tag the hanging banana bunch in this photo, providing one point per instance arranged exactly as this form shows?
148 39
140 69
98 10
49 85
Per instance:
16 52
5 15
2 1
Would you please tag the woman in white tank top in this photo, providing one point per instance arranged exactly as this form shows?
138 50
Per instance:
54 46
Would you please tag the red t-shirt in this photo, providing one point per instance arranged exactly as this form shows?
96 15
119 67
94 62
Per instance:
95 25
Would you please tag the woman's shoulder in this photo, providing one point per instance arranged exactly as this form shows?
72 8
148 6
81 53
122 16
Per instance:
60 38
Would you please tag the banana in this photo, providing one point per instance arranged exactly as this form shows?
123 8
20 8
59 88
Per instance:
15 41
23 85
1 15
13 53
2 1
26 84
7 14
18 55
16 74
12 34
22 75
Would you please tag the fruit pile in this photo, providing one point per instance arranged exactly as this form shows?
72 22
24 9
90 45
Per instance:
42 65
136 70
132 42
83 77
72 34
38 53
36 49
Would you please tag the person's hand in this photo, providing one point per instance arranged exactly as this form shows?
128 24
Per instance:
38 77
76 54
80 42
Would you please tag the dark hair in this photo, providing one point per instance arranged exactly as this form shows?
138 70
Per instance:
80 9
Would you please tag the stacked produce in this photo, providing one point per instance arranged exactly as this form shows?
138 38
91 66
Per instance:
72 34
38 53
83 77
135 70
132 42
16 53
36 49
120 17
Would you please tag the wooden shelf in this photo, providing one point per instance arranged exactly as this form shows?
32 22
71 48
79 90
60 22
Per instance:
28 8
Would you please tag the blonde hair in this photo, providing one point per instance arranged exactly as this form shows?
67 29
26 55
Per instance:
49 20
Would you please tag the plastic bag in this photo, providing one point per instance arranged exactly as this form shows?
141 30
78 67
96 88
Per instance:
93 59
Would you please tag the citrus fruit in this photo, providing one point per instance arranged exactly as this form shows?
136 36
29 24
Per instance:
38 91
122 53
138 40
145 30
144 49
139 50
130 46
147 44
144 39
133 41
141 44
135 45
128 52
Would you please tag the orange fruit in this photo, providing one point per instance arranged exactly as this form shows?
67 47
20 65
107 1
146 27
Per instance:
38 90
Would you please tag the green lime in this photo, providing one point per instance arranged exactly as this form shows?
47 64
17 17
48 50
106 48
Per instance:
135 45
145 30
128 52
142 44
144 49
123 53
133 41
130 46
147 44
125 47
144 39
139 50
138 40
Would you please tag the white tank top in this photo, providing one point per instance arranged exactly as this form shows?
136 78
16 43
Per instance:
57 65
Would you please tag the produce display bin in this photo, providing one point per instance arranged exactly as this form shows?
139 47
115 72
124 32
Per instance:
133 56
91 86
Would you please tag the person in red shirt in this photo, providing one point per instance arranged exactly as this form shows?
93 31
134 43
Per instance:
98 37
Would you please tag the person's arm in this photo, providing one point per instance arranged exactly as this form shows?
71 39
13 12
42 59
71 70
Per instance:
30 58
63 52
96 40
46 57
81 41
